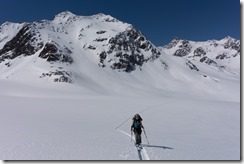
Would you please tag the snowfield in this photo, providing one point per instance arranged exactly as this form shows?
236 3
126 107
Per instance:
65 125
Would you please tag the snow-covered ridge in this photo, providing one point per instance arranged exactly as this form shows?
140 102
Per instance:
68 41
8 30
67 16
99 53
224 53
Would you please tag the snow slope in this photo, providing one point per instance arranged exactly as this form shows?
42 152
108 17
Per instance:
69 127
70 86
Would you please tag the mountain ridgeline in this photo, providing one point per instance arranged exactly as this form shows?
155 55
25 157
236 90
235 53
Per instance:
64 48
116 44
223 53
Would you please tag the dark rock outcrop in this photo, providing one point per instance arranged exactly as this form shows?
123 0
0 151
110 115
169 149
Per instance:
199 52
24 43
101 32
181 52
100 39
184 49
208 61
232 44
127 47
222 56
102 57
60 76
191 66
54 54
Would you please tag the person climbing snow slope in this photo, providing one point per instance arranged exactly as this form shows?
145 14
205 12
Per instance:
136 128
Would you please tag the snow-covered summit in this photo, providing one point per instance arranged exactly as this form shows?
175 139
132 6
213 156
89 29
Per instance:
72 41
65 14
99 53
224 53
68 17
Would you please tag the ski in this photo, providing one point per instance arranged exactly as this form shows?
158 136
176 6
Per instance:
139 147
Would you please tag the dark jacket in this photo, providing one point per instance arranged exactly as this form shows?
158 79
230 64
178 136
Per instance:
135 127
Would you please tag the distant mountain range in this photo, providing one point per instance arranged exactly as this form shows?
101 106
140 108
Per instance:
223 53
101 51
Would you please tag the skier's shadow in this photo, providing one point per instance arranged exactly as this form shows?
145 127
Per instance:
156 146
139 154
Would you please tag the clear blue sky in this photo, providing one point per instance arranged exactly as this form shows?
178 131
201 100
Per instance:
159 20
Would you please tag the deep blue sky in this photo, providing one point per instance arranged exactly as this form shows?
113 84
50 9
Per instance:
159 20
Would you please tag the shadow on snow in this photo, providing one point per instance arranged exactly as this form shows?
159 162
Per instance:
156 146
139 154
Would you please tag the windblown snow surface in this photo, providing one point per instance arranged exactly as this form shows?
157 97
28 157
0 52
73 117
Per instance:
59 121
187 114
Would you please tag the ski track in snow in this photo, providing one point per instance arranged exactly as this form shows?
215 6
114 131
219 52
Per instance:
143 155
144 110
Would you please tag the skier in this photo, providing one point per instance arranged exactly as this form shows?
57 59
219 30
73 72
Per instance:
136 128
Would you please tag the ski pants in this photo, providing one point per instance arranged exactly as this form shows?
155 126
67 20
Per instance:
137 133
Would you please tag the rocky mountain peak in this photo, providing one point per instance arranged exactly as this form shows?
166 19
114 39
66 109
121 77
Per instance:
64 15
219 53
101 39
71 45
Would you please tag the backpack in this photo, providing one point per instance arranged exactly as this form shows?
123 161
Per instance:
137 123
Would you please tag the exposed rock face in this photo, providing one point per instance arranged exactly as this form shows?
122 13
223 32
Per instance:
129 48
184 48
191 66
59 76
24 43
199 52
208 60
53 54
181 52
232 44
222 56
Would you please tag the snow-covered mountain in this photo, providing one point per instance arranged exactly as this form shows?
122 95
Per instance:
70 39
101 54
223 54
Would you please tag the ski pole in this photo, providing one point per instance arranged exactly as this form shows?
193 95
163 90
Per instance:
146 136
131 135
